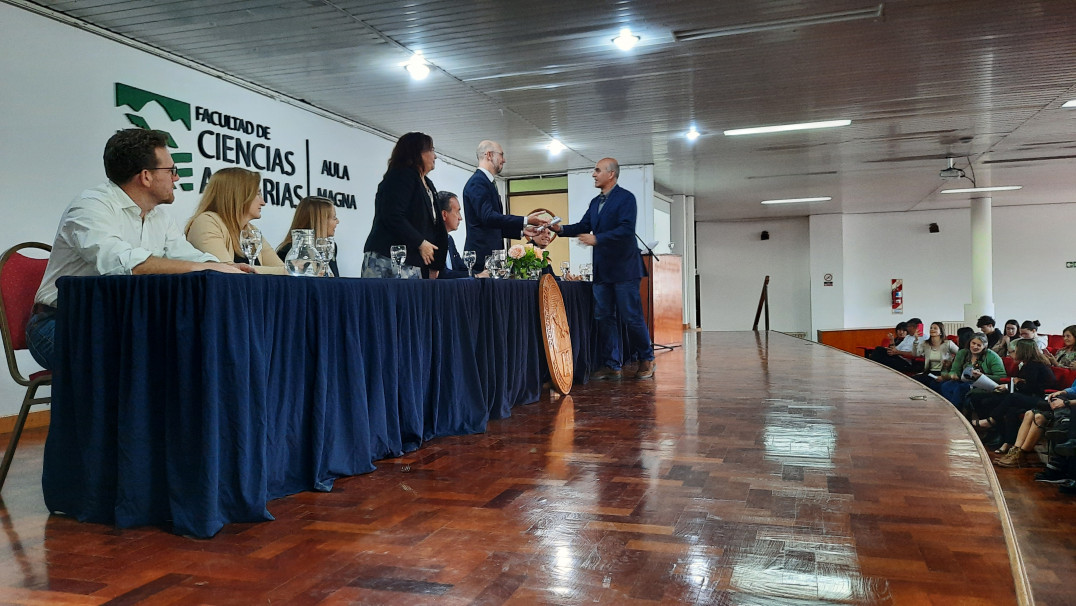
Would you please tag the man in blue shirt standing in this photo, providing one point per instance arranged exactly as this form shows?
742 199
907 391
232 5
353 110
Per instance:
609 227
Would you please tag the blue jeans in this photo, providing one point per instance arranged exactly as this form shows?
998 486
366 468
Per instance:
954 391
623 299
41 338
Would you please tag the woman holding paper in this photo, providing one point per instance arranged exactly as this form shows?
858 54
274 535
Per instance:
968 366
937 353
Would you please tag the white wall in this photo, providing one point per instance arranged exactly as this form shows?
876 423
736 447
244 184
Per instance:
733 262
864 252
1032 245
935 267
827 260
58 107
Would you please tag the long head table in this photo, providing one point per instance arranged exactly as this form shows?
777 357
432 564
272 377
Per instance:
196 399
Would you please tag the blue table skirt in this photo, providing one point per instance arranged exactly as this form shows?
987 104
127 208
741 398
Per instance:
196 399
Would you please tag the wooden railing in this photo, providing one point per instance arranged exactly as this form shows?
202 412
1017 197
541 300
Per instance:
763 303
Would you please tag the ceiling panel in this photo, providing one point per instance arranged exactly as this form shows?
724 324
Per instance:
981 80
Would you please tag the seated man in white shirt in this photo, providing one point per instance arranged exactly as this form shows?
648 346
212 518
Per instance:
117 229
902 348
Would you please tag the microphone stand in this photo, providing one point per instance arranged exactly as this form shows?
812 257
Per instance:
654 256
648 249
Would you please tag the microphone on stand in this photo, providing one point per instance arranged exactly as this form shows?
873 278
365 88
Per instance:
648 249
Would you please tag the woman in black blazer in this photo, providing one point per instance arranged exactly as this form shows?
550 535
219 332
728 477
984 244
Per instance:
405 213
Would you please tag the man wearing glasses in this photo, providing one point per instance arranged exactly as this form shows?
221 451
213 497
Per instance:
487 225
117 229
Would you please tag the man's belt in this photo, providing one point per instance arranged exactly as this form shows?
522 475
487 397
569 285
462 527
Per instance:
41 308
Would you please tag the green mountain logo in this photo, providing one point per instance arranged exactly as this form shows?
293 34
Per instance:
177 111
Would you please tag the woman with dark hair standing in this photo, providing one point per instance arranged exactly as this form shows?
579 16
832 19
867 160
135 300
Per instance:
406 213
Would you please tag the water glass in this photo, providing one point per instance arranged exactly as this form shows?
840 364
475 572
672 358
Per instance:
398 253
250 242
564 267
327 248
469 258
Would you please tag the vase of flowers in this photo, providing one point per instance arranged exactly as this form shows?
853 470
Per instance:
524 260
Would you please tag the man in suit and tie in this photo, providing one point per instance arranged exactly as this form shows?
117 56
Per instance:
487 225
609 227
450 213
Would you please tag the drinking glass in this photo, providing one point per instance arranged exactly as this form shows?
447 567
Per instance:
585 270
564 267
399 253
250 241
327 247
469 258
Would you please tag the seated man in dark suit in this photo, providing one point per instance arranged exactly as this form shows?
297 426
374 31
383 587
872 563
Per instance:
450 213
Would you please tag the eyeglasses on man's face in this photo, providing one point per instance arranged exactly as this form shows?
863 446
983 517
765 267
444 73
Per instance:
172 169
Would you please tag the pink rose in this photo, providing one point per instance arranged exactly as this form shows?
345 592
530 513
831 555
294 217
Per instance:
517 251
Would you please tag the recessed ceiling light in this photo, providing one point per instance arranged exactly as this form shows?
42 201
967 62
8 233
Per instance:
626 40
417 67
692 134
757 130
555 147
1069 103
973 190
795 200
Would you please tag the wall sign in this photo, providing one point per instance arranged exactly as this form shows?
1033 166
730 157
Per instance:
897 290
827 280
225 138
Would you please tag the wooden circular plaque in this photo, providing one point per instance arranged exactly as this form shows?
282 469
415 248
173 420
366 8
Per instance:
558 339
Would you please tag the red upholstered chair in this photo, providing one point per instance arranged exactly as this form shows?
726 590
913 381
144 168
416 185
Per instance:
20 276
1055 342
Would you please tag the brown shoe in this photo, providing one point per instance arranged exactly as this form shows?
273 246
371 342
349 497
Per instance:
606 374
646 369
1013 458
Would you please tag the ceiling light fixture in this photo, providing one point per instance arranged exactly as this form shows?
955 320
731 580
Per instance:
1071 103
778 24
795 200
692 134
555 147
417 67
758 130
626 40
975 190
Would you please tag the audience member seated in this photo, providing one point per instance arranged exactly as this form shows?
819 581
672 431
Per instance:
230 202
1030 330
1003 409
902 348
117 228
980 360
937 352
316 213
1066 356
1012 330
986 325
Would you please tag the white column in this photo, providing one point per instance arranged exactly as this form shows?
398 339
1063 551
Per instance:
982 261
690 263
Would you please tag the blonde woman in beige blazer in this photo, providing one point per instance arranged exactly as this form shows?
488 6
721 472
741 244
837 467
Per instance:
230 202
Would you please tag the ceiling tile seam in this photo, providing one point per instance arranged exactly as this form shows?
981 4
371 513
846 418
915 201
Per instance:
454 78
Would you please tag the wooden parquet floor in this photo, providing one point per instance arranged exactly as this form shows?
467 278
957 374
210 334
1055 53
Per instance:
755 470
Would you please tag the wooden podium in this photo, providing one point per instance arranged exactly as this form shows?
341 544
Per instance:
663 299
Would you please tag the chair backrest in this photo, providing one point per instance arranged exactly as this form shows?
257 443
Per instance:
1011 365
1055 342
20 277
1064 377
